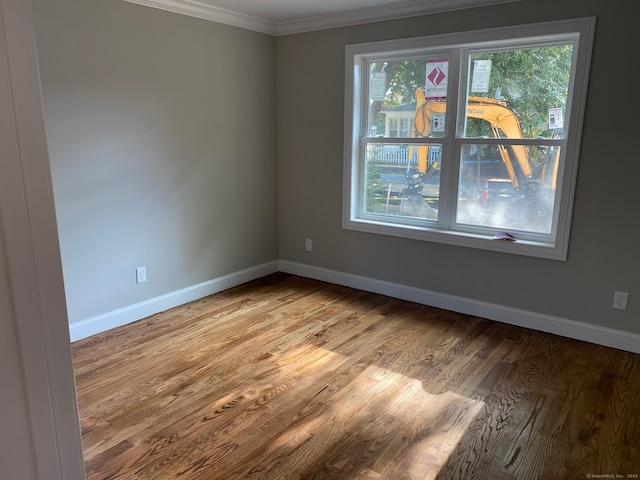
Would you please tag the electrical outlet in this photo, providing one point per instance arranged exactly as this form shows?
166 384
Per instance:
308 244
620 300
141 274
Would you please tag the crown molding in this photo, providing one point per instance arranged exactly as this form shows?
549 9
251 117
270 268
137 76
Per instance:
409 8
204 11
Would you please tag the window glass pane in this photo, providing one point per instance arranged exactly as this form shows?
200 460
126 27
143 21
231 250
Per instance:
497 191
395 186
394 87
430 116
518 93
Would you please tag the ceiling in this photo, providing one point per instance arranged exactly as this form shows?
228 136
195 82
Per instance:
282 17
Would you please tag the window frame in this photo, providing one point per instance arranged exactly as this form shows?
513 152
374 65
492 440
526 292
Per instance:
456 47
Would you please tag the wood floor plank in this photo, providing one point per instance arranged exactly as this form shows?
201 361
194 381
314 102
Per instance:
292 378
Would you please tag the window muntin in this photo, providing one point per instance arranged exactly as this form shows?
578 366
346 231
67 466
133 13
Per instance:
474 175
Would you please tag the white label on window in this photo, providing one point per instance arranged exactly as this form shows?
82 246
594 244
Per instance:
437 77
481 76
556 118
438 122
377 87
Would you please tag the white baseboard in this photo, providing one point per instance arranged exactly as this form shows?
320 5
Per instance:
536 321
545 323
122 316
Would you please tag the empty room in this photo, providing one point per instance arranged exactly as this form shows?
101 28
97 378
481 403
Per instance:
319 240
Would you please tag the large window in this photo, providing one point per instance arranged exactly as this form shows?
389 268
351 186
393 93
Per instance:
470 139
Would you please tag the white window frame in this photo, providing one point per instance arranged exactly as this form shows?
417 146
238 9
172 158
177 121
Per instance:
553 246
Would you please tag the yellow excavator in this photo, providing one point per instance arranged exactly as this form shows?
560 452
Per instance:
504 123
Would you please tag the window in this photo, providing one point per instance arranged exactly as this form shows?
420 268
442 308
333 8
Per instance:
468 138
400 127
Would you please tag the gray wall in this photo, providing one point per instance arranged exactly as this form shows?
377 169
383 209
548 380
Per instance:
603 252
163 136
162 142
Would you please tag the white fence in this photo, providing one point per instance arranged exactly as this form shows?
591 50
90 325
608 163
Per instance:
398 154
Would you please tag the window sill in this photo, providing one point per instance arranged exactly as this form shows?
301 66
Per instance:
524 247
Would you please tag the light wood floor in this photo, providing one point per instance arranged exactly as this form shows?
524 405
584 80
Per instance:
291 378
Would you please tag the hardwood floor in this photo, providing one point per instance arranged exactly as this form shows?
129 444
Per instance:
291 378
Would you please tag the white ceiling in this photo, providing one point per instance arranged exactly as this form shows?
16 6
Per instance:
281 17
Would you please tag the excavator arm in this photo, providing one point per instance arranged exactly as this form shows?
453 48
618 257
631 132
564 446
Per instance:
503 121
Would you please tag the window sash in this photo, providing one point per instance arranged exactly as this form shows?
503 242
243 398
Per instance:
458 51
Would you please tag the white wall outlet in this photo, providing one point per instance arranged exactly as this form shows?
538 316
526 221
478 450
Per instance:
308 244
141 274
620 300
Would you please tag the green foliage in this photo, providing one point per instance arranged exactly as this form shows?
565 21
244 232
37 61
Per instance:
407 77
403 78
373 188
531 81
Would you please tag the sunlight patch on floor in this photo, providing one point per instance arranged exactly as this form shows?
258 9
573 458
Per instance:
414 429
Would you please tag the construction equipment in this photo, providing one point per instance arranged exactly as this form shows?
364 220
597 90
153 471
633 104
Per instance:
504 123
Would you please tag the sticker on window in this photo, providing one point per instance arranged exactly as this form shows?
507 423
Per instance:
437 78
556 118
